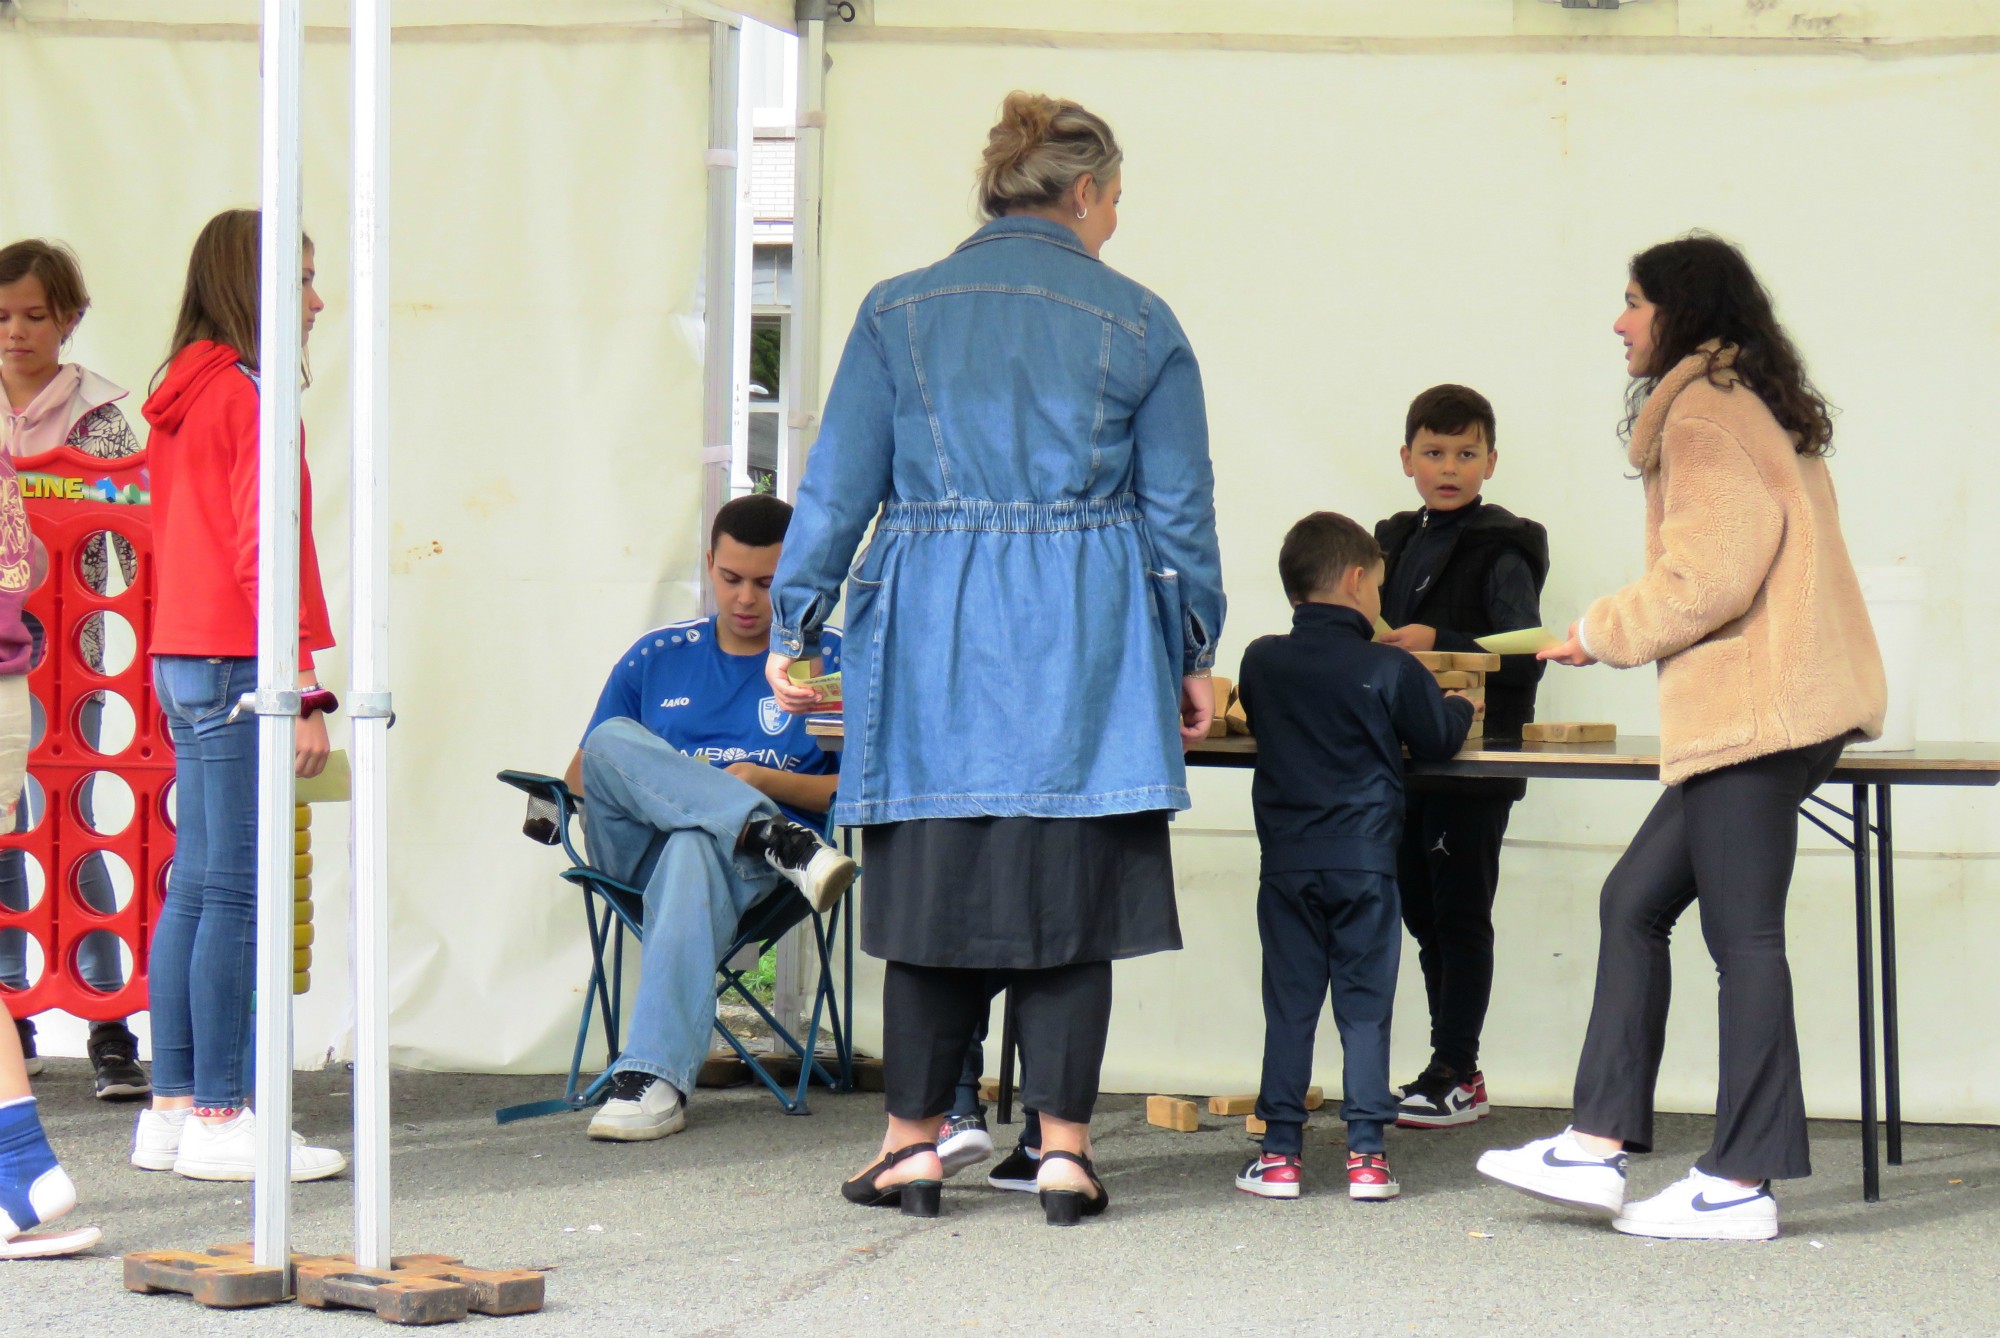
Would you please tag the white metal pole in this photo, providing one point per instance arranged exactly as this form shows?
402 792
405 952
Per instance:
750 45
278 361
801 365
368 696
719 308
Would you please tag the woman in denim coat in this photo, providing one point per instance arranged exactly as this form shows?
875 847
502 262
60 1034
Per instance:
1029 635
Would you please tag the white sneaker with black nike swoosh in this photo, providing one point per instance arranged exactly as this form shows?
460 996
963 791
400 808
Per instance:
1700 1206
1560 1170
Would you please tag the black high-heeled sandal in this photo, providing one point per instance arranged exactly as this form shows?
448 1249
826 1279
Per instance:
917 1198
1067 1207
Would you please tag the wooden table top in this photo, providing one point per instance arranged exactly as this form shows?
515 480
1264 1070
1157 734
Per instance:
1628 757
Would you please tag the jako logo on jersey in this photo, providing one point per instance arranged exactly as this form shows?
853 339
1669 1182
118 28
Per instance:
672 702
771 716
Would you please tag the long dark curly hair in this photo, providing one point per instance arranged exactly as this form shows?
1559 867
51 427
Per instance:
1704 289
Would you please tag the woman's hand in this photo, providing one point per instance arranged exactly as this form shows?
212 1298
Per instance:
791 697
1570 652
1415 637
310 747
1197 710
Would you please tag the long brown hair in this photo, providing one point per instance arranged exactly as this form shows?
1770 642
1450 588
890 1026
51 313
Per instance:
221 301
1705 290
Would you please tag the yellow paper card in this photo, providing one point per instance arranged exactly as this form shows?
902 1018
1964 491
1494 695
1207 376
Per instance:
1527 641
333 785
1382 627
828 685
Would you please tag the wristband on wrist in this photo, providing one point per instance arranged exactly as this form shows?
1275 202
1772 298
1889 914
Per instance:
317 699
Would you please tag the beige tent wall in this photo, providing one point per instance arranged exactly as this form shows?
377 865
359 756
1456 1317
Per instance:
1339 229
548 208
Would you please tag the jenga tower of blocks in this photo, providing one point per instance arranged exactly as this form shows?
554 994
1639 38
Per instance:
1463 672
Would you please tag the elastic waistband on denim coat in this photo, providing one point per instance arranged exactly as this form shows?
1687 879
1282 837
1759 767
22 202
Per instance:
971 513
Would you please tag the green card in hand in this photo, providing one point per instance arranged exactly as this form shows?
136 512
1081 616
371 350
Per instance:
1527 641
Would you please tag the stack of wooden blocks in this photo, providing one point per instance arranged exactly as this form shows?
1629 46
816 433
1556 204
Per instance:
1463 672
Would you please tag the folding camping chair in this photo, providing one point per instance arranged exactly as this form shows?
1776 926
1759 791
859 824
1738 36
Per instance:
613 909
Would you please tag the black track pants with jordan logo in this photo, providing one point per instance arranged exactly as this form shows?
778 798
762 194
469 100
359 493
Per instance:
1448 867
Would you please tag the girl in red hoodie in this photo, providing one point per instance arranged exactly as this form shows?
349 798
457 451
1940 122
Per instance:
205 469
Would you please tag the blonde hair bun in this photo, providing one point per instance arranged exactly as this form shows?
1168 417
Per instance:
1038 149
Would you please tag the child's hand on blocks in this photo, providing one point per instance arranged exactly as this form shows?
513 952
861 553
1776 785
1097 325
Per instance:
1478 707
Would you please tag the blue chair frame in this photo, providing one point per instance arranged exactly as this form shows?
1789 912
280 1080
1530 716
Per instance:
613 909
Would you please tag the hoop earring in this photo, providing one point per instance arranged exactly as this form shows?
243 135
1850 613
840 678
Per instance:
1083 213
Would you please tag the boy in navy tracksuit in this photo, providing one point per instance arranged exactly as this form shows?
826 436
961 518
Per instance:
1458 568
1332 712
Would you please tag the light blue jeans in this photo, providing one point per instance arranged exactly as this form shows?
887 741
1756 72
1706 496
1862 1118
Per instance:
657 819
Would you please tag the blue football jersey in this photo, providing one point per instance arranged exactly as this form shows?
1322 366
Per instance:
680 684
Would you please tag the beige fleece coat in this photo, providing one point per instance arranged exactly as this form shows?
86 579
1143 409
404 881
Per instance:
1749 604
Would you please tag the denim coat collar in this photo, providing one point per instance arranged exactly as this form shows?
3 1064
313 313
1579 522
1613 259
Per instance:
1027 225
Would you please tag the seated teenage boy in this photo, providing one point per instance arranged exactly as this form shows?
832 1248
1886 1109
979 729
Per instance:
700 790
1332 712
1459 568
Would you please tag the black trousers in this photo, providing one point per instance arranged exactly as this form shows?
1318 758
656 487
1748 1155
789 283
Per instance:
1334 929
965 1100
931 1013
1448 869
1726 840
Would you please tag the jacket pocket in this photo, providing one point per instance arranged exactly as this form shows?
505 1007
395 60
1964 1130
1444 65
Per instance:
1707 699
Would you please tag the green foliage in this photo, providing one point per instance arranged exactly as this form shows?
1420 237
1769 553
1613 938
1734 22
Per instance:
764 361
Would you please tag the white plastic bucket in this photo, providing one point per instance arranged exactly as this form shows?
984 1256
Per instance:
1895 598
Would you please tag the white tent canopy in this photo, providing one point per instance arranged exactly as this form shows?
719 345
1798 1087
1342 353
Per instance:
1344 202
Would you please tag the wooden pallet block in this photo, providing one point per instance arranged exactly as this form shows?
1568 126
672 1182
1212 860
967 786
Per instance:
1475 661
1434 660
1224 689
1315 1097
1568 731
1450 679
1478 730
395 1296
867 1073
1232 1105
722 1069
1172 1112
1237 718
1253 1126
989 1089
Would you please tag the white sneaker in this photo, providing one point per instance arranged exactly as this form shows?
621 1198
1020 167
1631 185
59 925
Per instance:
228 1151
157 1140
641 1107
815 868
1560 1170
1700 1206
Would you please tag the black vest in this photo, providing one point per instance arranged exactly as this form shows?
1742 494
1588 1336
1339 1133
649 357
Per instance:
1456 598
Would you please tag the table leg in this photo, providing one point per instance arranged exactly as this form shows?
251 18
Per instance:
1007 1058
1892 1067
1864 947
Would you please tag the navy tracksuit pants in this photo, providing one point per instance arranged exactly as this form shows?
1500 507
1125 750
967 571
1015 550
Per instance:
1337 930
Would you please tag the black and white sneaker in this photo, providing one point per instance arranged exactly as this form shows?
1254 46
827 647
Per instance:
1018 1170
25 1029
1439 1099
112 1055
640 1107
822 873
962 1141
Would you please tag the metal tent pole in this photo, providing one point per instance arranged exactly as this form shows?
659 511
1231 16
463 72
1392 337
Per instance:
277 701
801 365
368 698
718 370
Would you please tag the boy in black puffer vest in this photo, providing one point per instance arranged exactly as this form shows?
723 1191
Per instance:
1458 568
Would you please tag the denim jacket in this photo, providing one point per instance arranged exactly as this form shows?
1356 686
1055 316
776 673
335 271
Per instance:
1044 570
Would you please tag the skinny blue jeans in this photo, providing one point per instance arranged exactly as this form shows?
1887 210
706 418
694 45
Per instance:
657 819
203 964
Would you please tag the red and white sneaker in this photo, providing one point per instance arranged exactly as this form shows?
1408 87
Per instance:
1369 1178
1439 1099
1271 1176
1485 1107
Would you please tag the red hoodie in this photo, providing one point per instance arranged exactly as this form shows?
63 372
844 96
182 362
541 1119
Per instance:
203 452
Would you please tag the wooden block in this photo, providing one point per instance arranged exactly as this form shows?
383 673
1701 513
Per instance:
225 1282
1434 660
1475 662
1471 694
723 1069
1237 717
392 1294
989 1089
1232 1105
1456 678
1172 1112
1568 731
1224 689
1315 1097
867 1073
1253 1126
1478 730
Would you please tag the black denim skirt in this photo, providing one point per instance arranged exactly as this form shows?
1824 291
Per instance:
1018 893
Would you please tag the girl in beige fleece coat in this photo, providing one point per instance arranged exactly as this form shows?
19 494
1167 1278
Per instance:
1767 667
